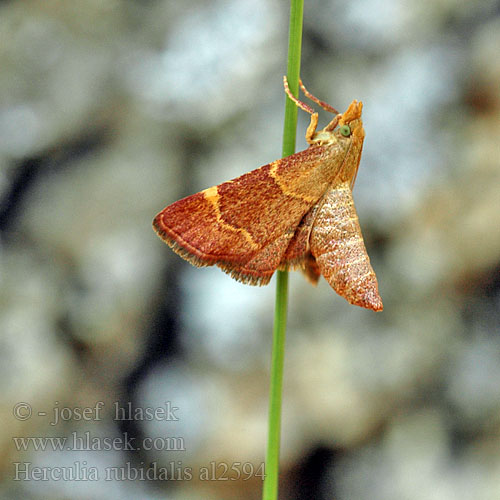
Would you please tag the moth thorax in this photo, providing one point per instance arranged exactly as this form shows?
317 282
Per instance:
325 137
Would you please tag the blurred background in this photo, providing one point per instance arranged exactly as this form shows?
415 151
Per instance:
111 110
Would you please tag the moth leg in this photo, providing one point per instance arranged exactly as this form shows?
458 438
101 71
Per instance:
313 98
331 126
313 124
311 129
303 106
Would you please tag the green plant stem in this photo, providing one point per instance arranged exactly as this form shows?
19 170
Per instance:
270 491
293 75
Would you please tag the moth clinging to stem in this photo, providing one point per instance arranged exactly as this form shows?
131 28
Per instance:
294 213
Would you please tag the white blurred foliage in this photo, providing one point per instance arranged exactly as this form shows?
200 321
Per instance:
225 321
212 51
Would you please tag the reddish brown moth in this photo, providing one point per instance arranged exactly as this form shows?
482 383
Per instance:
294 213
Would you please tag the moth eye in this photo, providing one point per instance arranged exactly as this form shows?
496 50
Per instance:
345 130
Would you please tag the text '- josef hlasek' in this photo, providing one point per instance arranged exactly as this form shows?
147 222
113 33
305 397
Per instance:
119 411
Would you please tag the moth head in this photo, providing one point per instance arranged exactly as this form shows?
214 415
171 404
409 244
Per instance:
350 123
345 128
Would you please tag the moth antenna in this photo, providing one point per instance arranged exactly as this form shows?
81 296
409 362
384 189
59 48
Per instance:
313 98
300 104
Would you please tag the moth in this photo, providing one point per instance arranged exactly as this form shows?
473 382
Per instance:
294 213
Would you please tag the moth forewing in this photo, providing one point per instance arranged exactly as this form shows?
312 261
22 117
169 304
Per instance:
244 226
338 247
